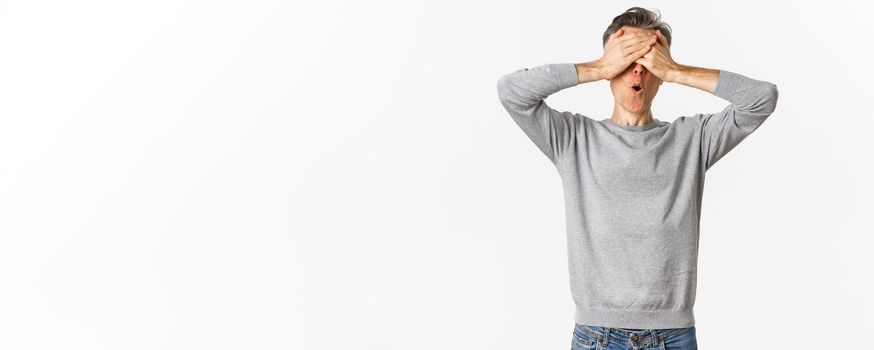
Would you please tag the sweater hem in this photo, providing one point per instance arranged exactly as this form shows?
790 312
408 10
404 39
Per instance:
635 319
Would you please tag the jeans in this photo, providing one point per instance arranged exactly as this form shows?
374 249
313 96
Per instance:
587 337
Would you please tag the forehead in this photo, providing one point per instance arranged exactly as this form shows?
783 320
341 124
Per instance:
629 29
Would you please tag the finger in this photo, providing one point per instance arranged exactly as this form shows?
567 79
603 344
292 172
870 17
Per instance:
631 45
646 52
662 40
640 53
615 35
625 41
660 47
644 60
634 45
613 38
632 37
630 50
635 36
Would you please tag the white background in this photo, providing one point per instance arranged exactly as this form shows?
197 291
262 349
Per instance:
341 174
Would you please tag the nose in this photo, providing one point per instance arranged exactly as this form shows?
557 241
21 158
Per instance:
639 68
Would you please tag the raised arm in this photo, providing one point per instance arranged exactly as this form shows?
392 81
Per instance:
752 101
522 92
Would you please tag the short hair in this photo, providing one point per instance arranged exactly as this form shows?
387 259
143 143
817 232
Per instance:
641 18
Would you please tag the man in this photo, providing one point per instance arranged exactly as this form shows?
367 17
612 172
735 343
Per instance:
632 183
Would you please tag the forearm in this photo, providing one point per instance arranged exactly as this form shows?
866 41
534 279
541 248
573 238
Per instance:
696 77
527 87
589 71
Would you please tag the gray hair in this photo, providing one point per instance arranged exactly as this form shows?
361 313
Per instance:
641 18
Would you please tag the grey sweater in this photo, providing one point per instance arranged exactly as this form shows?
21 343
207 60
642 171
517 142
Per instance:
632 194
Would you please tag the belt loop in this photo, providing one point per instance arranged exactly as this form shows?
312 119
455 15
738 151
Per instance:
606 339
655 341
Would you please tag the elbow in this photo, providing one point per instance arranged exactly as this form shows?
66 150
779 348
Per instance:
765 101
771 95
502 87
507 91
761 101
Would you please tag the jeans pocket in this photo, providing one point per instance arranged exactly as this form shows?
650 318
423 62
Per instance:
682 340
582 341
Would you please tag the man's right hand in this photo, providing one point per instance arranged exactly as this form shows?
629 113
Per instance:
623 48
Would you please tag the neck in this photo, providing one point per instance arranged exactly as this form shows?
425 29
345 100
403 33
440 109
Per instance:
624 117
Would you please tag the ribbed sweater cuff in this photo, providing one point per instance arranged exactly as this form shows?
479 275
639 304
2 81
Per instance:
567 74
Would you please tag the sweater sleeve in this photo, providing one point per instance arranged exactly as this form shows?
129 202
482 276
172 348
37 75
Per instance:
522 94
752 101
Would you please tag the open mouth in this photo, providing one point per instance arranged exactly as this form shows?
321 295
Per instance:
637 88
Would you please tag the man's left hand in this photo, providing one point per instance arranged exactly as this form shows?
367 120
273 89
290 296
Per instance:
658 60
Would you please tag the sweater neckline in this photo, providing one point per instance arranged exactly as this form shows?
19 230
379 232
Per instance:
654 123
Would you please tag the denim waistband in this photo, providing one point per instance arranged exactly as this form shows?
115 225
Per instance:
638 338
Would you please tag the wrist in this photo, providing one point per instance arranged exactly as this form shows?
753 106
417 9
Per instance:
675 73
590 71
